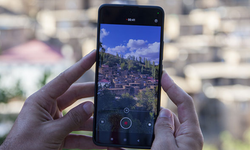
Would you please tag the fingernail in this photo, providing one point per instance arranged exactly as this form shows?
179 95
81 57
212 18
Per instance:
167 116
88 108
165 113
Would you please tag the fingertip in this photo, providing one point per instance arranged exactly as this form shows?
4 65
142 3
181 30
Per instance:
165 121
90 55
164 72
165 76
93 51
164 129
88 108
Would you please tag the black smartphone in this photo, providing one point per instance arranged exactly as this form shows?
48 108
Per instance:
128 75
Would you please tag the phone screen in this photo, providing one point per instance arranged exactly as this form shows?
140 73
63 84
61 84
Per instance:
128 77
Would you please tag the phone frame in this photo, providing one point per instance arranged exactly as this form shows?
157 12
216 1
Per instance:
161 22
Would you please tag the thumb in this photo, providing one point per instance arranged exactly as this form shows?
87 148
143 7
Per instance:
75 118
164 131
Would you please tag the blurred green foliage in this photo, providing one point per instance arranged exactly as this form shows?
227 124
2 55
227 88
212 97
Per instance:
15 91
2 139
209 147
228 142
6 118
3 96
44 79
231 143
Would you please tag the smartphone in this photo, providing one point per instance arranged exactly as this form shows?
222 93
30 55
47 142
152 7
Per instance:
128 75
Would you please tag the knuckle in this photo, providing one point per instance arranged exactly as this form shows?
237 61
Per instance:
64 78
83 67
76 91
189 98
29 102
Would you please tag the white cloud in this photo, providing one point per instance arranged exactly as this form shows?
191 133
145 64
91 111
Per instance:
138 48
103 33
151 52
117 49
135 44
155 47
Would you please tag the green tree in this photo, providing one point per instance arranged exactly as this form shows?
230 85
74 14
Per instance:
123 66
146 63
130 64
106 99
133 58
153 69
147 100
129 57
102 53
140 59
141 69
156 72
120 59
127 100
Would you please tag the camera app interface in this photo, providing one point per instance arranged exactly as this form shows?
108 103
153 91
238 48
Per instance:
128 79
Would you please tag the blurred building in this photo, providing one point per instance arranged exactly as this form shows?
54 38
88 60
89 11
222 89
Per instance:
208 46
206 50
14 26
28 63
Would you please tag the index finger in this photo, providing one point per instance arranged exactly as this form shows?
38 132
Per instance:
62 82
184 102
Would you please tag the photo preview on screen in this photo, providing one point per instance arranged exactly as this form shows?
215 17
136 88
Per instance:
128 75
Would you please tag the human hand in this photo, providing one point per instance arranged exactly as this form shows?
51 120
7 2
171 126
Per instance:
40 124
182 132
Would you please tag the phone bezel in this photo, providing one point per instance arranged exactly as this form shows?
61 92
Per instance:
121 20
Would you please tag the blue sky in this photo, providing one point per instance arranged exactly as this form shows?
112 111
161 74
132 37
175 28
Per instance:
131 40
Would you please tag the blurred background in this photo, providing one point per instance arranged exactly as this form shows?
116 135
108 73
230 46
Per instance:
206 52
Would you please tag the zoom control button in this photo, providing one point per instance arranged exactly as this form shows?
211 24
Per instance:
126 123
126 110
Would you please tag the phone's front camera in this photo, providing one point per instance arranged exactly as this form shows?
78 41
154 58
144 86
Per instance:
156 20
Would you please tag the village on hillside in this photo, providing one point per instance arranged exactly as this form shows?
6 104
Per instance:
131 80
122 81
125 90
